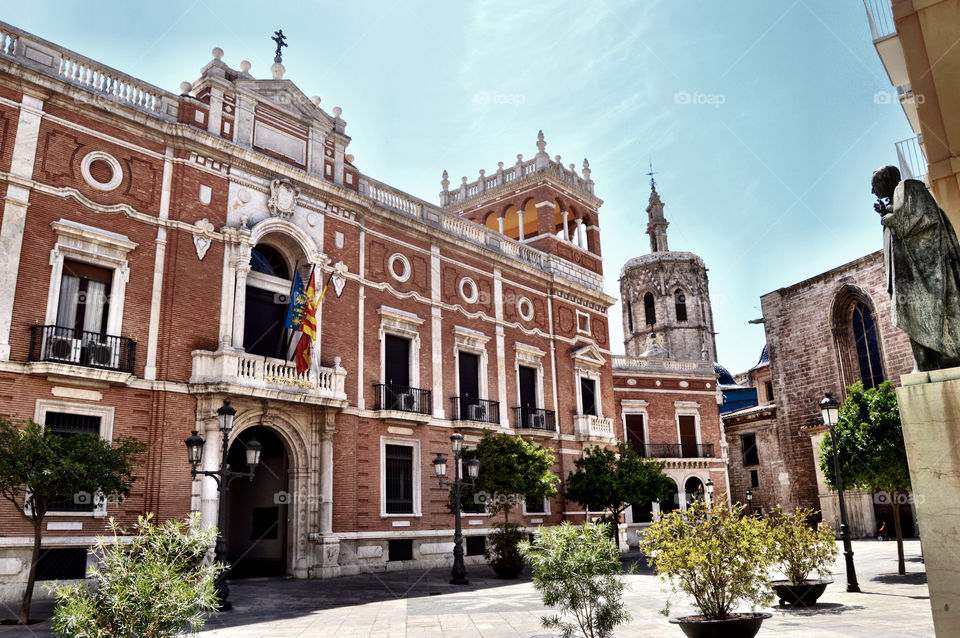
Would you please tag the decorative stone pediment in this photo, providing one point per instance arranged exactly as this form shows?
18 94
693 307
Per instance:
589 357
283 198
202 236
337 277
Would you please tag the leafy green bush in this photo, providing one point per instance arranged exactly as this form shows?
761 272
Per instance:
577 570
799 547
502 550
156 585
716 556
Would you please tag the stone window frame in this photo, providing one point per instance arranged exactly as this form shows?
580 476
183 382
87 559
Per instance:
416 481
96 247
106 414
465 282
530 357
115 180
405 325
473 342
407 268
526 316
585 366
687 408
583 315
545 512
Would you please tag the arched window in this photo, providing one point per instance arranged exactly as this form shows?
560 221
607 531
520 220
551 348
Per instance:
868 348
649 309
268 260
680 302
694 490
630 317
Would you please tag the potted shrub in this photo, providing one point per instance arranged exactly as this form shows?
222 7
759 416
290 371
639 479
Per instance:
801 549
577 571
720 559
503 552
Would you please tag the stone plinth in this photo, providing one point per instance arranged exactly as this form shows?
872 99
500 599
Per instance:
930 412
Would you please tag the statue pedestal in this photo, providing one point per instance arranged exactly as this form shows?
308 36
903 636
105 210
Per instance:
930 412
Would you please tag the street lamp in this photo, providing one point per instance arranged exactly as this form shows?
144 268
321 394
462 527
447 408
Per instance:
223 477
459 571
750 501
830 410
709 486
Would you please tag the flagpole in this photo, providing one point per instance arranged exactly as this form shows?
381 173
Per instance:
283 331
286 353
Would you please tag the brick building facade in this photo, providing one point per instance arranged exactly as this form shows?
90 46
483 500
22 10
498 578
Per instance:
823 334
148 241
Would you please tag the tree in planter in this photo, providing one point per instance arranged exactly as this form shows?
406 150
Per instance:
577 570
39 467
870 449
800 547
611 480
155 586
715 555
510 469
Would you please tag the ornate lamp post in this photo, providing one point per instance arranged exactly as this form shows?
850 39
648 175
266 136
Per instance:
750 501
223 477
459 571
709 488
830 410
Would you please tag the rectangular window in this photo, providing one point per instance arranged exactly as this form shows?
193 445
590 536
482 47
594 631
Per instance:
588 391
399 479
754 478
583 323
400 549
688 436
476 545
535 505
528 386
66 424
84 294
634 426
769 387
748 443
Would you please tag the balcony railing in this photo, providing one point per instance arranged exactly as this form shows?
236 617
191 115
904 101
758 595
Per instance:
534 419
880 17
473 409
593 426
236 367
677 450
913 163
81 348
388 396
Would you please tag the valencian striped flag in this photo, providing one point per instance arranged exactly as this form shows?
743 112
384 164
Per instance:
308 327
298 301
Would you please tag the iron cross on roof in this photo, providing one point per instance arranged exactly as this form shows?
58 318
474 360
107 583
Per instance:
280 39
653 183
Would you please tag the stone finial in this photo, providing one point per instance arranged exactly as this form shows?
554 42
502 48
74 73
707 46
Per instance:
556 158
217 53
315 99
586 169
185 88
482 173
519 158
445 181
349 158
573 168
463 180
541 143
499 166
277 70
337 111
245 66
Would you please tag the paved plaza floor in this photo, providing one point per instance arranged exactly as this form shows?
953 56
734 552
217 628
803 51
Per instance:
421 604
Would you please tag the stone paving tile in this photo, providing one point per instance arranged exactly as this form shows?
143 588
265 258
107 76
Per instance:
423 604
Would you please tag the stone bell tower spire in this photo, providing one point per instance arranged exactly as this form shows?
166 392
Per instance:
657 224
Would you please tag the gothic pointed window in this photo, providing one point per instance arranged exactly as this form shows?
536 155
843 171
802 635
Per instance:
857 339
680 302
648 309
868 349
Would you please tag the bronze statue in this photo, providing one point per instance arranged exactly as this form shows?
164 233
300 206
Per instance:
922 258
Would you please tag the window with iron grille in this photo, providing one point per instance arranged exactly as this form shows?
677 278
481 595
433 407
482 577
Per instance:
66 424
398 464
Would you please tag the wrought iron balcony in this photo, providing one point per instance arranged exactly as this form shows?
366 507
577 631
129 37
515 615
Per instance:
528 418
474 409
676 450
389 396
81 348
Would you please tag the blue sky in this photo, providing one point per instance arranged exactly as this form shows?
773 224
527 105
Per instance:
765 172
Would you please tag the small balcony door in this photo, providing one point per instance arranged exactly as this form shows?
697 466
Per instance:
588 392
528 387
634 427
688 436
84 295
396 373
469 377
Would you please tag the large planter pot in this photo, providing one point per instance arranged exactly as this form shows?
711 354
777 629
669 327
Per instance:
741 626
506 571
801 595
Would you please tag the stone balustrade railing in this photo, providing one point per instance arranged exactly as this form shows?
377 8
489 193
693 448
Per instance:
593 426
105 83
502 176
236 367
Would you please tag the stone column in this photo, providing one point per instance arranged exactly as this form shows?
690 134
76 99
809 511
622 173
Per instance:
209 497
520 221
240 304
930 414
566 225
326 483
15 212
500 223
579 231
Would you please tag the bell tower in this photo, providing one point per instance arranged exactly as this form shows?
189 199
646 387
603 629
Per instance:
657 223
